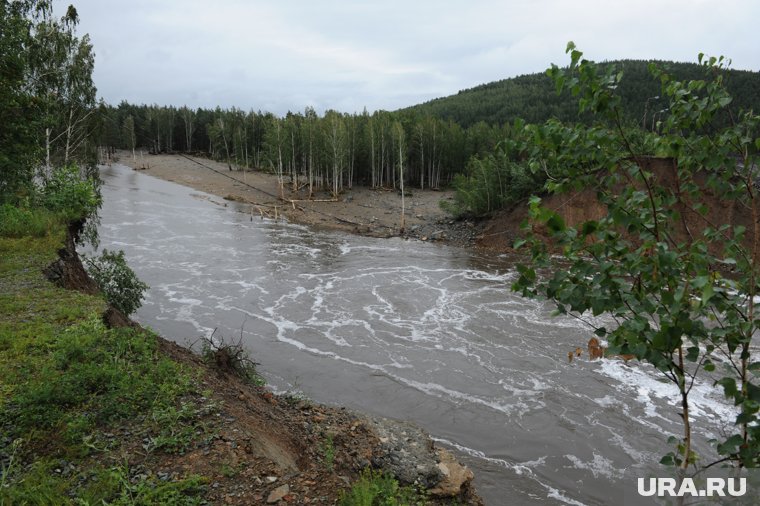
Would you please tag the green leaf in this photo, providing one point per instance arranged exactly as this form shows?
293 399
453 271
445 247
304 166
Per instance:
745 417
589 227
555 223
753 392
729 387
730 445
707 293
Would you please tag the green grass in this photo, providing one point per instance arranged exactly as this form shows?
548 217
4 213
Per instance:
66 381
374 488
328 452
22 222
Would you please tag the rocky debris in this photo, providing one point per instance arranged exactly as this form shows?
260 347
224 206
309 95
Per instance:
456 477
278 494
408 453
462 233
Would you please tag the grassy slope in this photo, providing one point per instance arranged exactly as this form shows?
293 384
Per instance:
67 380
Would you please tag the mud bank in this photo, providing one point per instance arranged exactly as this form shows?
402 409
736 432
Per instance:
359 210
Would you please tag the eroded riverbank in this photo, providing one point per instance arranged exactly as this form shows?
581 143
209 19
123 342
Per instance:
404 329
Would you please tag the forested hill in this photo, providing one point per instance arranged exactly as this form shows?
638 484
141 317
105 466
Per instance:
533 98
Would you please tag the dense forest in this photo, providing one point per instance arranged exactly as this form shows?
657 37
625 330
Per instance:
331 151
533 97
428 144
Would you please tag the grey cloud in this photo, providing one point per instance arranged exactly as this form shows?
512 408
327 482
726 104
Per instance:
346 55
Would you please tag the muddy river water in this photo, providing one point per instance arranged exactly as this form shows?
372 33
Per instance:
408 330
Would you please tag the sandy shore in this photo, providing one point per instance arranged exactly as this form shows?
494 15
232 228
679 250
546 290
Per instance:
361 210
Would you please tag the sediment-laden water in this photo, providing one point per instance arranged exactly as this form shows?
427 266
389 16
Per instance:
408 330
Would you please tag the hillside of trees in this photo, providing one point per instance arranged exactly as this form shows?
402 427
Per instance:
533 97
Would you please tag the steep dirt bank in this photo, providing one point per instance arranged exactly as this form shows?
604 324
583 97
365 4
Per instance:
360 210
244 444
500 232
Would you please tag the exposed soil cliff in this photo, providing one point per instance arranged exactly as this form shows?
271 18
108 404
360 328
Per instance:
501 231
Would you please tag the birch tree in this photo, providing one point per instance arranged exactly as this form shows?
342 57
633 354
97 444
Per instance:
59 74
129 134
400 140
188 118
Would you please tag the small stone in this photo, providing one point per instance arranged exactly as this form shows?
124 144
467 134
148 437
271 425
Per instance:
277 494
271 479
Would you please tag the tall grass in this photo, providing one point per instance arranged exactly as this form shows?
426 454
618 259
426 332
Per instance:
35 222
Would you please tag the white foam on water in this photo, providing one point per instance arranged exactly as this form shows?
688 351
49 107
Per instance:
641 457
706 401
598 466
517 468
296 250
346 248
556 494
524 469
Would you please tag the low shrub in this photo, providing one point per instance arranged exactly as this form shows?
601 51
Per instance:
120 285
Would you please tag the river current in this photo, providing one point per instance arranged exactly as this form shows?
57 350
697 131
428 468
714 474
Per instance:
407 330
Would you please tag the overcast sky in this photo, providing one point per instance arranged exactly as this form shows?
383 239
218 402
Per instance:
280 55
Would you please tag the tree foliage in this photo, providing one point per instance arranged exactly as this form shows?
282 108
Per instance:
682 298
327 152
17 128
120 285
532 98
499 178
47 97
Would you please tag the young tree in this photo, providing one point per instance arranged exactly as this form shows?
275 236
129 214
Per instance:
679 280
400 140
337 147
188 118
129 134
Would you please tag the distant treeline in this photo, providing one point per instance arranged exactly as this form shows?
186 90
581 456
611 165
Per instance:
429 143
330 151
533 98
